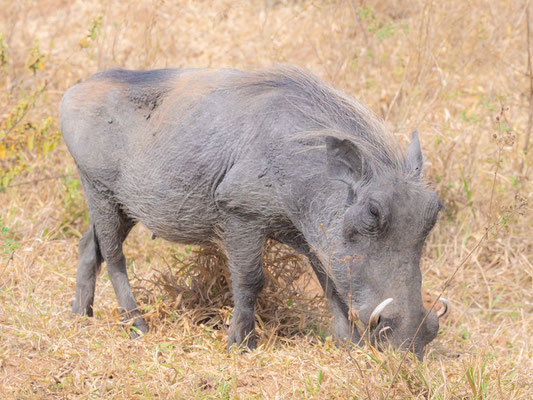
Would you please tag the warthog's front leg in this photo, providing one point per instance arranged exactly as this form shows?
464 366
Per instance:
244 246
344 330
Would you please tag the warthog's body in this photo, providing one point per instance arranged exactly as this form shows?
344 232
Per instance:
231 158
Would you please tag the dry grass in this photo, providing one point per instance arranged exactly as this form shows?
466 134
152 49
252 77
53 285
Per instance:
457 71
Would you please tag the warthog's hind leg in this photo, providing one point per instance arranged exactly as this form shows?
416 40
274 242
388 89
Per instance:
111 227
89 262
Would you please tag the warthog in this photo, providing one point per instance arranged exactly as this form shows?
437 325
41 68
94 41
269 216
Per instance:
231 158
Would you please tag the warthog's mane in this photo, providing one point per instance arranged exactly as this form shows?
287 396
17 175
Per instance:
336 114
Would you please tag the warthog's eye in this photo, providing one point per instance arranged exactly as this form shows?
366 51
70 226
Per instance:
371 222
373 210
366 219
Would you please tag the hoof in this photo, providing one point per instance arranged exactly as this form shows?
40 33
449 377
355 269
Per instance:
244 344
138 329
78 310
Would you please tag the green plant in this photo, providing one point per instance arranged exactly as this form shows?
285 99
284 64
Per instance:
26 134
23 137
9 241
376 26
74 208
3 53
477 380
95 30
35 60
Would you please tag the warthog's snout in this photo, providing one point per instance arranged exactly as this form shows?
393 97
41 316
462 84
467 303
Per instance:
388 325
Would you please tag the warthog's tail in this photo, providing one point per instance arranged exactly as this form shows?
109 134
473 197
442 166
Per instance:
97 252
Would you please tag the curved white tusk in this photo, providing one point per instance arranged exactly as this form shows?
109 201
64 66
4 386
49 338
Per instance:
443 310
374 317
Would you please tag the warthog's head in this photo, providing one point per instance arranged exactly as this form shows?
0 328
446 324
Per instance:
377 243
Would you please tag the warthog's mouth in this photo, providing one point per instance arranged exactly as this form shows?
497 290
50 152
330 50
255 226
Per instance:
378 334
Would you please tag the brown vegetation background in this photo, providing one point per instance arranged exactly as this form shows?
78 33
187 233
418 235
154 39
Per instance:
459 72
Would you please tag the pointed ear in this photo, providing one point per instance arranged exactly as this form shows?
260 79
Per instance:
344 159
413 159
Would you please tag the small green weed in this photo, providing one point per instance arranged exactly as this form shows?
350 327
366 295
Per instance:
74 208
9 241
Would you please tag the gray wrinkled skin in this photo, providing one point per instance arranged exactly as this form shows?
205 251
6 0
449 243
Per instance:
231 158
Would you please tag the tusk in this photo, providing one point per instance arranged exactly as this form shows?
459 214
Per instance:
374 317
443 311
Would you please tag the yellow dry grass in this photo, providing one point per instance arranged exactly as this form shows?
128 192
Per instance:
455 70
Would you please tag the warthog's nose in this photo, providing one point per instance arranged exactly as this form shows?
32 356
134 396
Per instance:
407 331
400 325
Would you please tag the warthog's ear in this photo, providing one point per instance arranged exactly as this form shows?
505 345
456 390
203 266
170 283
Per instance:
345 162
413 159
